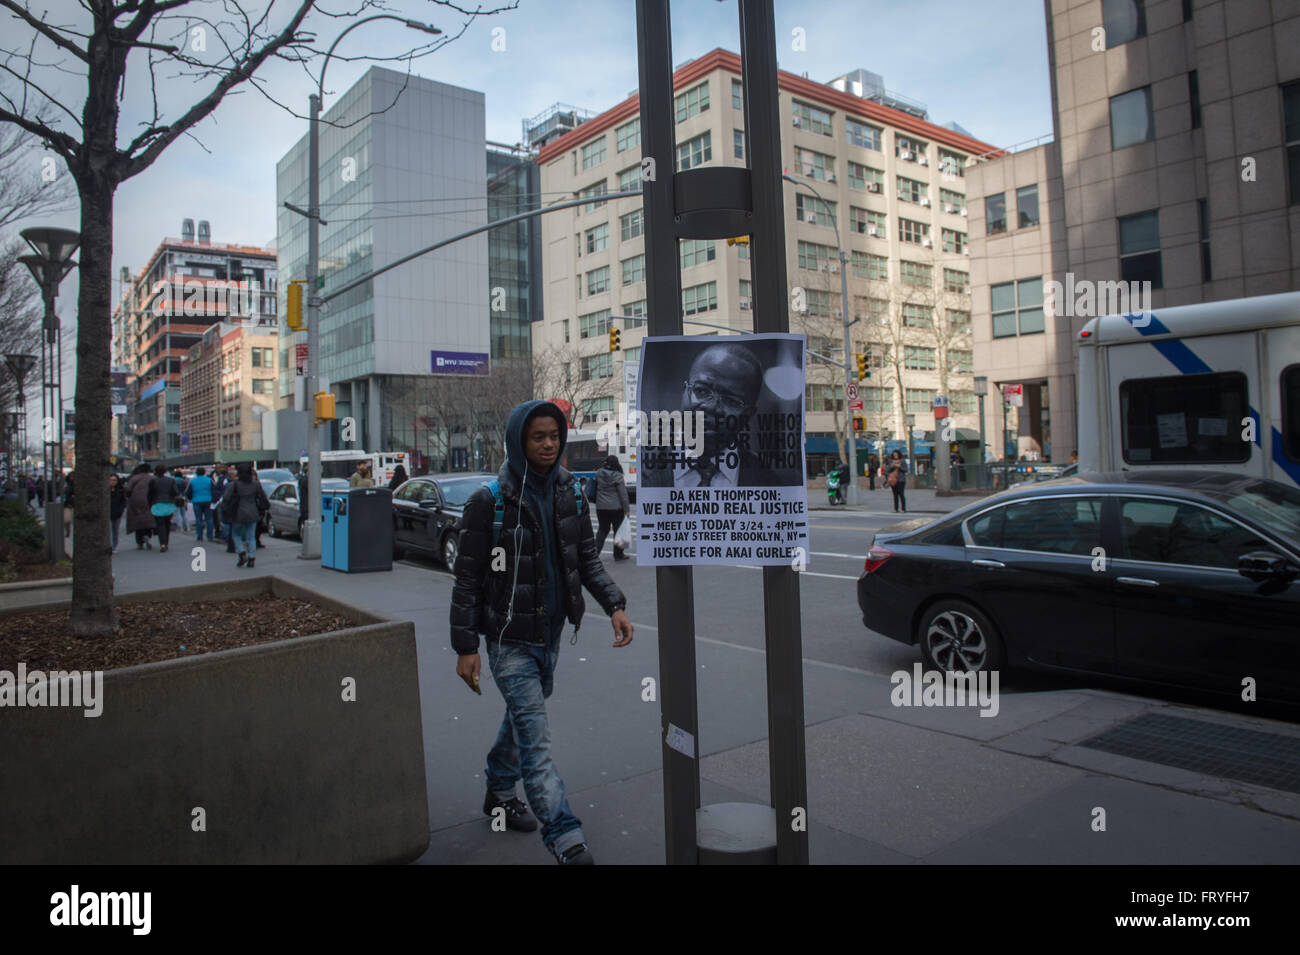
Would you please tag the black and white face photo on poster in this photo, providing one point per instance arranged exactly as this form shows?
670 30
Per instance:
721 450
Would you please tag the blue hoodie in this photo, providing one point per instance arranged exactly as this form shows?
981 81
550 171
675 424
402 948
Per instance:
538 490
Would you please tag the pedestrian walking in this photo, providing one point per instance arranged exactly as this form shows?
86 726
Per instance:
68 503
243 503
896 471
611 504
139 520
399 478
116 505
182 505
873 465
31 492
361 476
535 512
221 475
163 497
200 494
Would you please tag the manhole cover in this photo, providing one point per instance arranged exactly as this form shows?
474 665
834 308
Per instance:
1252 756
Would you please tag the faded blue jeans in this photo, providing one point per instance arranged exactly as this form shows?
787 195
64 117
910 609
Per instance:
245 538
525 676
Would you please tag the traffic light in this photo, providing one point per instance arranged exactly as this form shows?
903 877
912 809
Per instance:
324 406
614 336
859 423
294 317
739 240
863 371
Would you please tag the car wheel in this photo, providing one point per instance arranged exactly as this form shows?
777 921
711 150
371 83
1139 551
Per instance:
275 528
955 636
450 548
300 528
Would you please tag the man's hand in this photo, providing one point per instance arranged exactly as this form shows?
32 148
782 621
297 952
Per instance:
622 628
468 666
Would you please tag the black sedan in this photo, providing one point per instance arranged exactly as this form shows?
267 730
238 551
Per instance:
1189 578
427 510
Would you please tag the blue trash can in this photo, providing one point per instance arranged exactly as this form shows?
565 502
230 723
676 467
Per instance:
357 529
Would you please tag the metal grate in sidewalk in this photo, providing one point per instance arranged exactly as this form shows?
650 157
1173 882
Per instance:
1215 749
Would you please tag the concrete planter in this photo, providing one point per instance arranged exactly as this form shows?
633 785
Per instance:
258 738
35 594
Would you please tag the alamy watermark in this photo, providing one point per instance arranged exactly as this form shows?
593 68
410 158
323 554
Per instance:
75 688
211 297
1088 299
946 688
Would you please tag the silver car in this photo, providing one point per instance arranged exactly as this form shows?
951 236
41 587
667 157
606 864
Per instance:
284 516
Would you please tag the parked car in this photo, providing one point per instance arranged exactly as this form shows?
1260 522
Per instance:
427 512
284 516
1181 577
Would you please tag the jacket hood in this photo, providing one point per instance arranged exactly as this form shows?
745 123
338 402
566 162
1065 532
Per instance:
515 459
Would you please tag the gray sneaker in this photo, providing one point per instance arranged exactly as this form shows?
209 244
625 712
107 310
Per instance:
576 855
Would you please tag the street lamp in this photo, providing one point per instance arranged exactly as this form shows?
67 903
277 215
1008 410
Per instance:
19 366
911 452
311 526
49 266
850 456
982 389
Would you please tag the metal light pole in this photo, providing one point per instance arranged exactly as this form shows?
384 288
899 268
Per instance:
311 526
49 265
850 449
911 452
19 366
982 389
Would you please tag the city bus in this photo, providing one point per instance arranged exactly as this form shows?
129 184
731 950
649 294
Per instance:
1213 385
341 464
585 452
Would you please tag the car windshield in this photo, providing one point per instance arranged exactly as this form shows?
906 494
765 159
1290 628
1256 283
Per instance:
277 475
1273 505
458 491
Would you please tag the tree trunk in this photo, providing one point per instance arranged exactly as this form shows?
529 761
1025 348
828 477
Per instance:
92 565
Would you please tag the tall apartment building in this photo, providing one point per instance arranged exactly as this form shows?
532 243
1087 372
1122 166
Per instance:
401 167
1175 161
895 186
514 252
188 285
228 383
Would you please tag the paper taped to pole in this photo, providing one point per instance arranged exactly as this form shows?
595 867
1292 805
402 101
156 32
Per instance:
719 431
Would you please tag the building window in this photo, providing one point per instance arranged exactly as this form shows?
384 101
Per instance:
958 321
697 252
962 402
877 399
742 252
811 118
814 165
598 280
861 134
1027 205
918 233
919 399
995 213
695 152
636 312
263 386
631 225
913 150
823 398
917 316
591 407
629 180
1123 20
628 136
593 154
955 280
738 143
1017 307
1203 217
868 222
812 210
866 266
691 103
700 298
596 366
918 358
818 302
916 274
594 324
961 361
632 354
634 269
1194 97
1139 248
953 202
1291 120
952 165
813 256
599 189
954 241
1130 118
598 238
866 178
910 190
261 358
737 95
872 310
565 323
746 289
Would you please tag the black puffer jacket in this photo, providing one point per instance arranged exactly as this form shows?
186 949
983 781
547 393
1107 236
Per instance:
480 599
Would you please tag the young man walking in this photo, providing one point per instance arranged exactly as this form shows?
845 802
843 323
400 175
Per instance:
526 551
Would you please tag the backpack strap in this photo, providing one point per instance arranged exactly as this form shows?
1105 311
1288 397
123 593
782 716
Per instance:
498 516
578 495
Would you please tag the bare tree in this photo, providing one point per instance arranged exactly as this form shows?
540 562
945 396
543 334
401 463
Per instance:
558 373
158 36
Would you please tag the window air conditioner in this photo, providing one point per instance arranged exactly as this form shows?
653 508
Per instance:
965 251
872 230
965 289
873 187
949 207
923 161
810 217
744 304
795 121
907 154
963 213
835 267
927 243
925 203
830 177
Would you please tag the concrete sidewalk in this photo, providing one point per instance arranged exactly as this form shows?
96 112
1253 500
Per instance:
921 500
886 784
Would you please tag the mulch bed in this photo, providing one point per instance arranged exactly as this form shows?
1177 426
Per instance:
160 631
40 571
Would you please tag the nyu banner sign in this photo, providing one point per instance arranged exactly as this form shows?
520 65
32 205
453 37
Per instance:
459 363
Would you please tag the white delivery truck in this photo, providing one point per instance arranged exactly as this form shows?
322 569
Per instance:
1214 385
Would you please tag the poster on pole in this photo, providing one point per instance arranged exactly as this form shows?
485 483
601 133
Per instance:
719 429
117 390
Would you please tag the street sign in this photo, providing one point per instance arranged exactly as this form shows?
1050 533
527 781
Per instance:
941 401
856 405
1014 395
851 389
300 357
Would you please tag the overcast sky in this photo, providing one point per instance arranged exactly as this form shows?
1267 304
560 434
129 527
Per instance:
986 72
